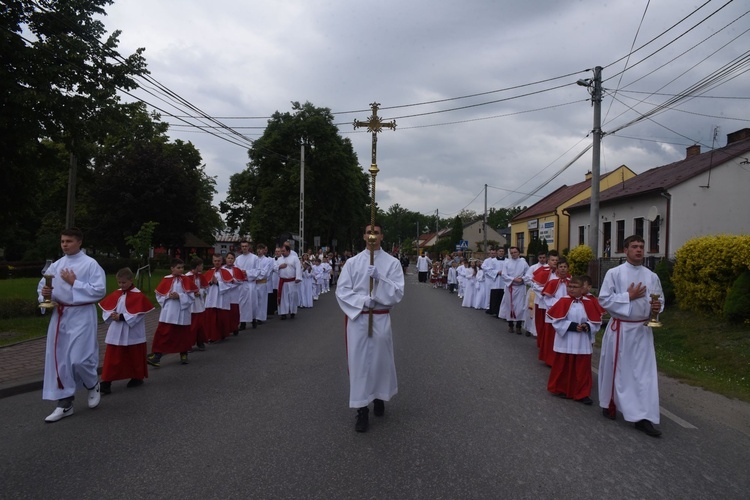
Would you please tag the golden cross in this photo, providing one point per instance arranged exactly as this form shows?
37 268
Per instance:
375 125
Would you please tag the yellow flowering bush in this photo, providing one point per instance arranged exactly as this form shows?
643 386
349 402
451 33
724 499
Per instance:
578 260
706 268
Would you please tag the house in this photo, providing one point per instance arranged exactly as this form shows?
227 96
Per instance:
546 219
472 233
228 242
702 194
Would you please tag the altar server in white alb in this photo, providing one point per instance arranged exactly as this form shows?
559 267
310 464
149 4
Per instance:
513 306
72 355
628 380
372 370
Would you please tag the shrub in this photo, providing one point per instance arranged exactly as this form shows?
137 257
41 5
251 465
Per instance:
579 259
15 307
737 304
664 270
706 268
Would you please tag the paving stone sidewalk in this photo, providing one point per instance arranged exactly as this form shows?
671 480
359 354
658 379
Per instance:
22 364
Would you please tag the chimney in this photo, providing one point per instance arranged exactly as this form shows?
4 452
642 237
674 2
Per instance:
588 175
693 150
738 135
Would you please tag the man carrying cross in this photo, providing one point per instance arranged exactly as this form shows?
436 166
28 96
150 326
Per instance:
372 370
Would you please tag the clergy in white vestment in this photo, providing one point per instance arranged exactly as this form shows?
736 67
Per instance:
372 370
493 271
72 354
513 306
290 276
248 262
536 290
628 380
264 282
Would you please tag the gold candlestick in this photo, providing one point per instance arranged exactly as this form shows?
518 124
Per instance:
653 321
48 303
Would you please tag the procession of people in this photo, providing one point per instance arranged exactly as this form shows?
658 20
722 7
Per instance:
242 290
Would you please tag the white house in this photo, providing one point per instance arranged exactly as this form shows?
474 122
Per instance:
703 194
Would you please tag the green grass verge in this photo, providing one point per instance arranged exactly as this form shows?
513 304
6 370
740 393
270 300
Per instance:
15 330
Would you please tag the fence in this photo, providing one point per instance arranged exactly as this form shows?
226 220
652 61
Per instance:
598 268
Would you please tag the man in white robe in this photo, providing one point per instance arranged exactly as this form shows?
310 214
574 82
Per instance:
372 370
72 355
513 306
424 264
263 283
290 276
493 271
248 262
628 380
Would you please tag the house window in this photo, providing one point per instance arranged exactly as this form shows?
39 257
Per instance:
581 235
533 234
653 235
638 226
607 239
620 235
519 241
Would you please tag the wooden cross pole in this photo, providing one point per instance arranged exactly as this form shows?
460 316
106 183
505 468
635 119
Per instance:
375 125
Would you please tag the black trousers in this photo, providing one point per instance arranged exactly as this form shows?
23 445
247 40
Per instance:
272 298
496 297
422 276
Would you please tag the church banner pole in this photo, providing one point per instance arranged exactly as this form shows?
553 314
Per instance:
374 124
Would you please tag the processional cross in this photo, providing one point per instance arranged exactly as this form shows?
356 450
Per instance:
375 125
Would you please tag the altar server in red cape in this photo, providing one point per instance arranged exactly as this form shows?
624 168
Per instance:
576 319
124 310
220 281
198 311
175 295
554 290
239 279
539 279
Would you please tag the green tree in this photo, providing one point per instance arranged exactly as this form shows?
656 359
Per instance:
501 217
142 241
263 200
59 73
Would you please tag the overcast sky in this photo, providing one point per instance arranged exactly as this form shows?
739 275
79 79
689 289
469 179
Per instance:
251 58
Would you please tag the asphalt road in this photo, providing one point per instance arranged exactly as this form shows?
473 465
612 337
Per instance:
265 415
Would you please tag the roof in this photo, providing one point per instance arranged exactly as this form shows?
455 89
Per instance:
193 241
662 178
553 200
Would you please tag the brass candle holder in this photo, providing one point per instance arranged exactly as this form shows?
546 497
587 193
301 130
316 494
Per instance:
653 321
48 303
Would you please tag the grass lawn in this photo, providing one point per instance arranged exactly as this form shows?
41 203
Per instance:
17 329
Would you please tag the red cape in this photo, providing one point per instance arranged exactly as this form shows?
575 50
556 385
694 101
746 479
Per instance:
237 273
594 310
224 274
552 285
136 301
199 279
542 274
165 286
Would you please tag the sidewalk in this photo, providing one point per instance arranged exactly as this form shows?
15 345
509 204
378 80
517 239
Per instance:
22 364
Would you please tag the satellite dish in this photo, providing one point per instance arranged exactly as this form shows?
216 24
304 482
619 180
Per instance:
653 213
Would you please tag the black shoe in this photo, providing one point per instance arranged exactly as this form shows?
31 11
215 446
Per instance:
255 324
243 325
134 382
259 321
487 311
363 420
105 387
283 316
291 315
648 428
528 333
605 412
586 401
378 407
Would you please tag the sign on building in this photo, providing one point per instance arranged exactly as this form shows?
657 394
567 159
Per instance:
547 232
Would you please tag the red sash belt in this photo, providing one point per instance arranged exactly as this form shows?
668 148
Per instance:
60 309
616 328
380 311
281 287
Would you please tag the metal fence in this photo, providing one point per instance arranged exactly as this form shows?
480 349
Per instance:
598 268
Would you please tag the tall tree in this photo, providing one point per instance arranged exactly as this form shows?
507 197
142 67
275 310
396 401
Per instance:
140 176
58 73
263 200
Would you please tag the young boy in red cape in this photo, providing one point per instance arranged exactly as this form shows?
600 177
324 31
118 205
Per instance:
220 280
124 310
175 295
198 311
576 318
551 293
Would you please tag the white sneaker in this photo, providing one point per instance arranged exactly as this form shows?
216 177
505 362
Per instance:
95 396
59 414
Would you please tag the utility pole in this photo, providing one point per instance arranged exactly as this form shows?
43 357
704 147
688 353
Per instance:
595 88
484 221
302 197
